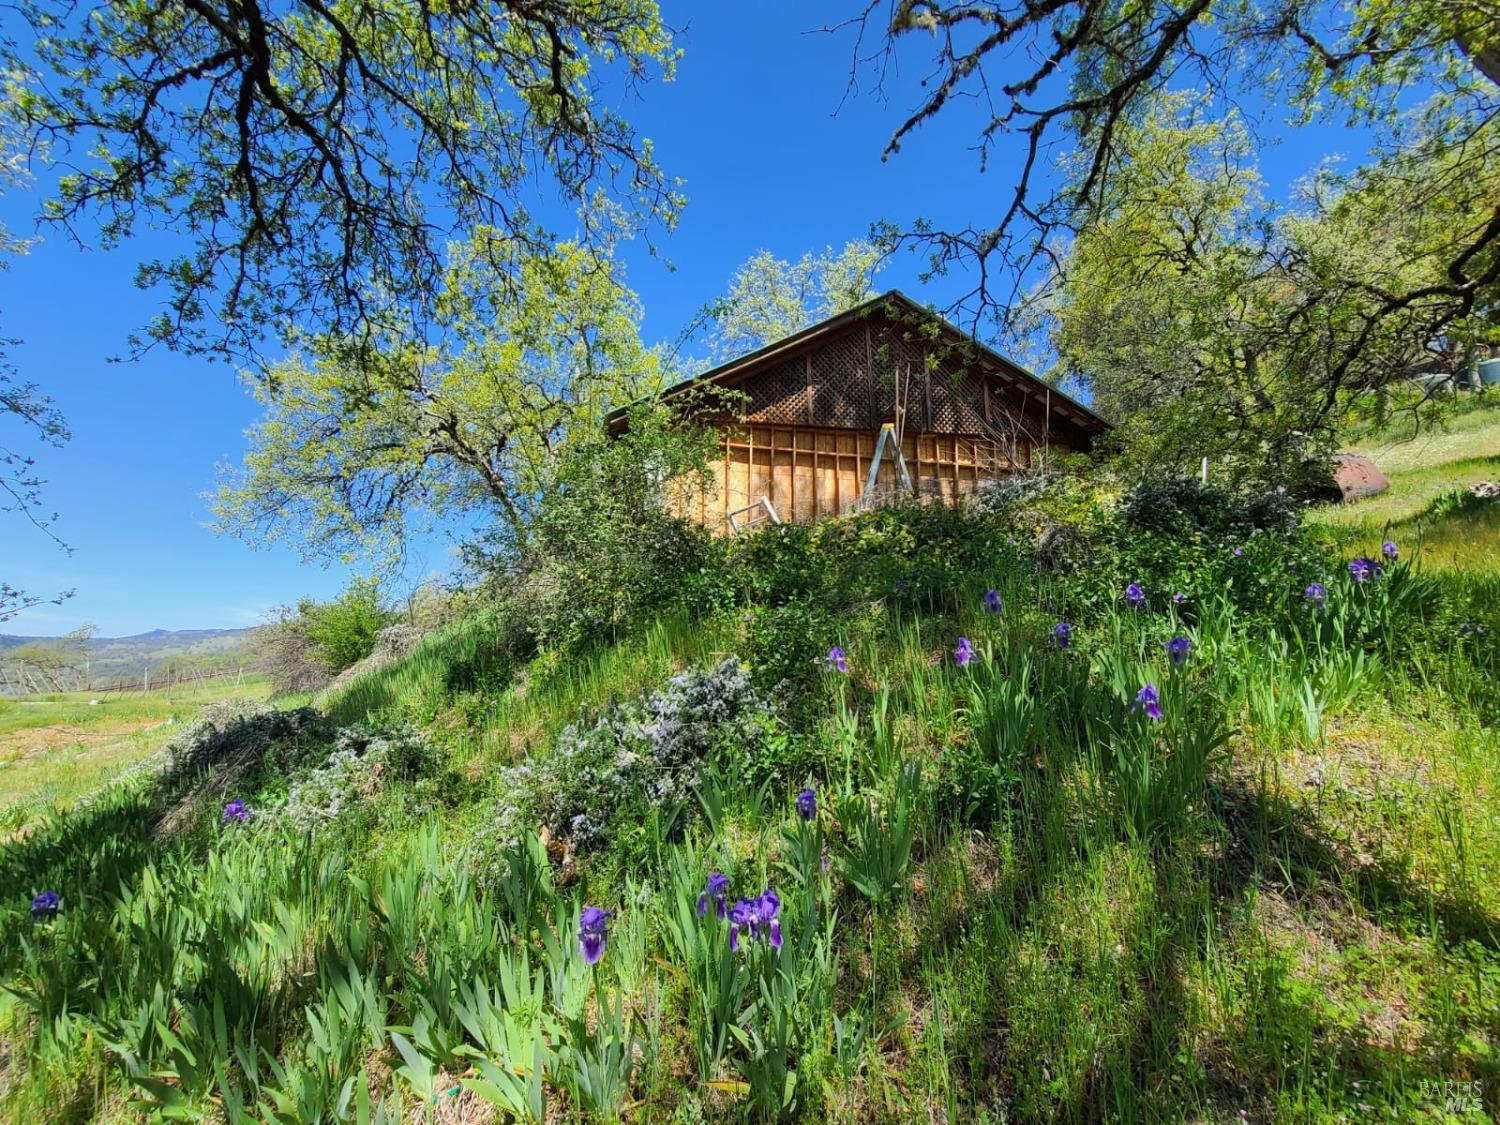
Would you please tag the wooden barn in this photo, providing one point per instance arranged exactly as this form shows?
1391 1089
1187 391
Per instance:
887 377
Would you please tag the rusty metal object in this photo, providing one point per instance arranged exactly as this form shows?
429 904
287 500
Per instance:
1358 477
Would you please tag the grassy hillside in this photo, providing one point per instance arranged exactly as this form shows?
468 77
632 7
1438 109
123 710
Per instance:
163 653
1426 469
1019 886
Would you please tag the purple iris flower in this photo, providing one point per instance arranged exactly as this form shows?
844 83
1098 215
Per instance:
1316 593
964 652
1148 701
1363 569
715 891
992 603
807 804
1178 599
758 915
836 659
593 933
1062 634
1135 597
1238 551
1390 550
45 905
236 810
1178 649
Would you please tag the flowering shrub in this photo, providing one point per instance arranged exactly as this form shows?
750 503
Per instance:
642 754
363 760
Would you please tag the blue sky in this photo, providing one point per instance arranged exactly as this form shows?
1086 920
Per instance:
772 159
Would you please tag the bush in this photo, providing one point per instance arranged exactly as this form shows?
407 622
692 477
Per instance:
344 630
364 759
638 757
605 550
1183 505
305 646
239 732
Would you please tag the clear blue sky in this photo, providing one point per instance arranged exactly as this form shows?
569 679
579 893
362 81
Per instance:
772 160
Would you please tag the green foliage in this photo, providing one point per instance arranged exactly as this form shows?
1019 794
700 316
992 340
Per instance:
606 549
335 149
463 418
1184 506
344 630
770 298
881 838
1210 323
1012 844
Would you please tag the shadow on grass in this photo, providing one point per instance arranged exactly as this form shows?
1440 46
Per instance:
1280 1046
1276 841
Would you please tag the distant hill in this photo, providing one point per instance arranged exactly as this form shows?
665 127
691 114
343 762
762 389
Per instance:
162 652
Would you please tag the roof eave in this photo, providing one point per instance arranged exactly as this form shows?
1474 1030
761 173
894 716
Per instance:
744 366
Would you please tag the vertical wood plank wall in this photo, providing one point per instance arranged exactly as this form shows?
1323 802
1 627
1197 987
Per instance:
810 473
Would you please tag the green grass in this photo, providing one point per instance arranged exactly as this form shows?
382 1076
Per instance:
1423 467
1278 902
57 747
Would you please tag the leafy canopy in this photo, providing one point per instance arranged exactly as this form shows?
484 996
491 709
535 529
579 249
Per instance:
1211 323
461 419
770 298
1085 74
317 156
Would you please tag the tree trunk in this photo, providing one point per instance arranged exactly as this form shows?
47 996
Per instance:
1486 59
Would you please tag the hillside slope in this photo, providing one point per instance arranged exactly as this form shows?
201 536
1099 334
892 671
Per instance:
1430 473
126 660
890 818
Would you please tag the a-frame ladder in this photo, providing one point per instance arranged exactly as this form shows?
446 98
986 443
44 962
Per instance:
887 440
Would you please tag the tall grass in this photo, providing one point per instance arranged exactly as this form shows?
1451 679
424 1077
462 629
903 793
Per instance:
1022 896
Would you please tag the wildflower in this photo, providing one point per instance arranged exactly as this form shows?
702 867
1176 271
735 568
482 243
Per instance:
1135 596
715 891
593 934
992 603
45 905
1238 551
1316 593
1179 598
1469 629
836 659
1148 701
1178 648
807 804
758 915
1062 634
236 810
1363 569
1390 550
964 652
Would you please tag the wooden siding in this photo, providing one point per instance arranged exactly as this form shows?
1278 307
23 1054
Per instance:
809 473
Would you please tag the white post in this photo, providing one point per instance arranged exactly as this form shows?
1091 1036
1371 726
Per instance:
1205 470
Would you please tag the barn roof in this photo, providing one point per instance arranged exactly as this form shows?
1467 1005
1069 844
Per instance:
742 367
